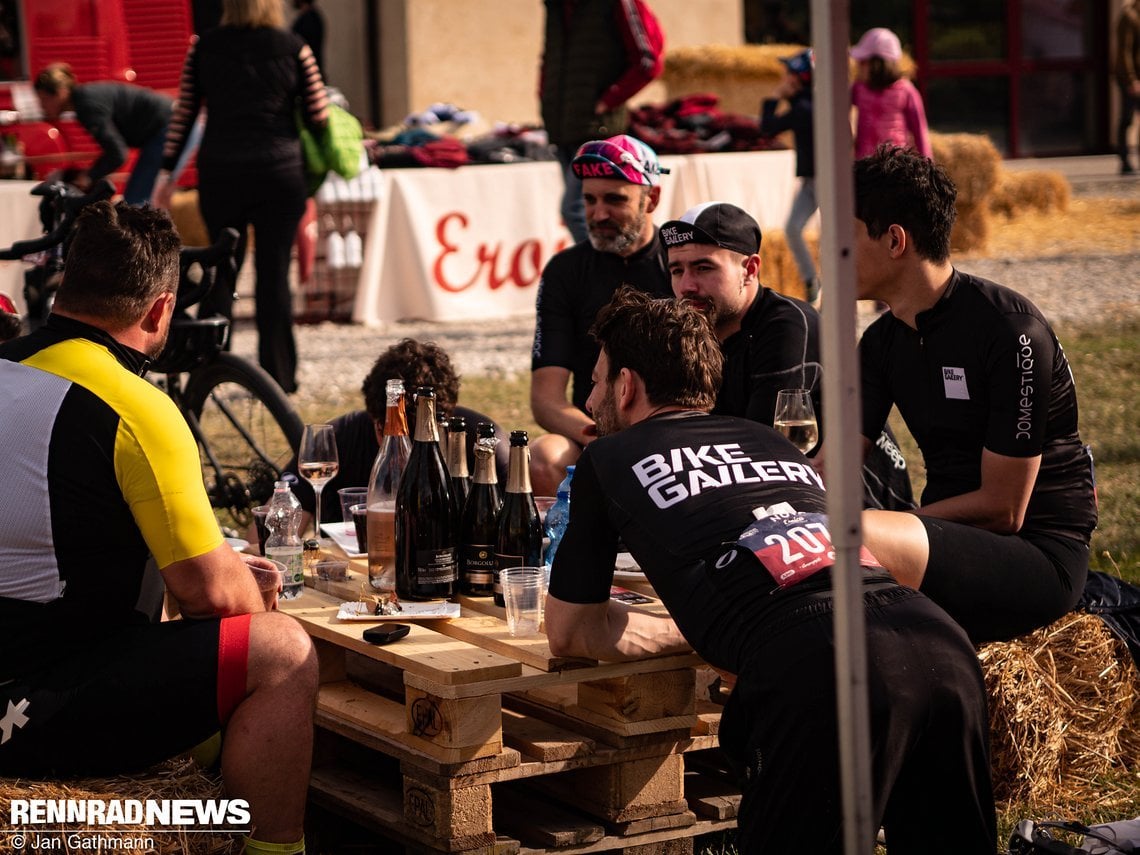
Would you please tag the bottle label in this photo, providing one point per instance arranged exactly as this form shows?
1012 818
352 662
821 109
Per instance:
436 565
479 563
502 561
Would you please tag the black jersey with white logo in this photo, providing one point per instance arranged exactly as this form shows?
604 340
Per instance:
983 370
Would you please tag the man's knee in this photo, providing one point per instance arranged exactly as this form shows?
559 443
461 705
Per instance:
550 454
279 645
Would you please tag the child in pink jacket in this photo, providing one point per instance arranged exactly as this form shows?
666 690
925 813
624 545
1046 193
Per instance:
889 108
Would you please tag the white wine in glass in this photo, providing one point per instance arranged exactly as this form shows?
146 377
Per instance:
318 462
795 418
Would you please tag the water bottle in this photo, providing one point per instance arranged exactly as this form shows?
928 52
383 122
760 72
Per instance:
284 541
557 518
353 245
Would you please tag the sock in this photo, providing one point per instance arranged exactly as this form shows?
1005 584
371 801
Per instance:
207 753
260 847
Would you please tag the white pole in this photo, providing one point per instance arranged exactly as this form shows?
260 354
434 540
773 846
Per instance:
842 411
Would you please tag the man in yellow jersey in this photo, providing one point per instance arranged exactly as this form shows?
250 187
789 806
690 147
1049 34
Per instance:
102 474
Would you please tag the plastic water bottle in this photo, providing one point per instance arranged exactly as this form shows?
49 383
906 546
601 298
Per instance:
557 518
284 541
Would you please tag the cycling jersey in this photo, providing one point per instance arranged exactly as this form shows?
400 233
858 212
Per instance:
576 284
102 471
983 370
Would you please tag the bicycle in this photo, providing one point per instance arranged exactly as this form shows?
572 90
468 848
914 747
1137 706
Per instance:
245 427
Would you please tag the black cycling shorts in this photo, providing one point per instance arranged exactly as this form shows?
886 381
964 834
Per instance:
149 693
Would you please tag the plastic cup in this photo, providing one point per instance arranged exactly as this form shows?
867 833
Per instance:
268 580
544 504
359 514
260 514
524 591
350 496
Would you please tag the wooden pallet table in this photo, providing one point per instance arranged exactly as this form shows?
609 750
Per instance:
460 738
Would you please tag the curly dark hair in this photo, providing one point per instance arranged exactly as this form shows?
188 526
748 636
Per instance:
10 326
898 185
417 364
668 343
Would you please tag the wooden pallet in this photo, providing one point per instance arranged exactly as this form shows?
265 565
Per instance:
460 738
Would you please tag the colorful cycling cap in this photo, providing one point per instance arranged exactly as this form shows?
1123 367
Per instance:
800 64
6 305
715 224
621 157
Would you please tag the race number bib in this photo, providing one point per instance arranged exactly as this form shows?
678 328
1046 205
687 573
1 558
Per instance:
791 545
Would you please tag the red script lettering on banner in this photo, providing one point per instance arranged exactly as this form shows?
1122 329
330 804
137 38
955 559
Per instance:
495 264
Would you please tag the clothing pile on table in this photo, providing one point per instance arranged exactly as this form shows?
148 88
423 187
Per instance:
694 123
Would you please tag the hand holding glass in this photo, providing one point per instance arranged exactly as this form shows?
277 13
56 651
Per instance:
795 418
318 462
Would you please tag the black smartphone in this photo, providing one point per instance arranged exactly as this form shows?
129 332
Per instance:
386 633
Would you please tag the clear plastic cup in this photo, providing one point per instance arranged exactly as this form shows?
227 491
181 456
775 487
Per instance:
524 591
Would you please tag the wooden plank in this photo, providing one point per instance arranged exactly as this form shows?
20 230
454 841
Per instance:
564 699
448 814
598 728
539 822
653 843
543 740
435 657
654 823
491 633
708 718
380 716
622 792
711 796
640 697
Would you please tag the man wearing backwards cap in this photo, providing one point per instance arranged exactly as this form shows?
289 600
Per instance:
620 188
769 341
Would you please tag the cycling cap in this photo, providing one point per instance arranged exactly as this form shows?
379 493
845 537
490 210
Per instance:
879 42
6 305
800 64
715 223
621 157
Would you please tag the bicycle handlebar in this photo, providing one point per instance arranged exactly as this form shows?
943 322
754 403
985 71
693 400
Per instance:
211 259
66 203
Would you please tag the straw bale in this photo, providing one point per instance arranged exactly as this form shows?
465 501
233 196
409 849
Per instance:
972 162
1064 705
180 778
1043 190
188 219
778 269
971 228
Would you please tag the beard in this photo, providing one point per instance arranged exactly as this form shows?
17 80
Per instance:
605 414
156 348
608 237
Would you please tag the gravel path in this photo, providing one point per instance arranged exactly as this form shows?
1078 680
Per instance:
334 357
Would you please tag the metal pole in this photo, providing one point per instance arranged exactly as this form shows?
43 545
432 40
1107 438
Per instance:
842 412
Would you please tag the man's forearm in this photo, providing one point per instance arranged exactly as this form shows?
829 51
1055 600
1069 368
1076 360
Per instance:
564 419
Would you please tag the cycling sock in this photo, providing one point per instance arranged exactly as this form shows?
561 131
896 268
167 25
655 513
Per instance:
260 847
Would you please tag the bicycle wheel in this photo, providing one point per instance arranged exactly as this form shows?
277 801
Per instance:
247 431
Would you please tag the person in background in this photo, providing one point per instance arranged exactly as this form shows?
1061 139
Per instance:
769 341
104 478
360 433
120 116
10 323
597 54
1001 538
310 25
795 89
620 185
1127 76
889 108
700 501
251 76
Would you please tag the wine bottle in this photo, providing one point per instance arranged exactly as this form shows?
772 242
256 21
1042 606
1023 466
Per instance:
383 484
457 461
479 529
519 540
427 525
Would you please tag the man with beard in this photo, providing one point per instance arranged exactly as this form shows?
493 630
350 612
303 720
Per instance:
103 475
770 342
620 189
727 521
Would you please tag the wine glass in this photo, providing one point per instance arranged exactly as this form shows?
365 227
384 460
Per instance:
317 460
795 418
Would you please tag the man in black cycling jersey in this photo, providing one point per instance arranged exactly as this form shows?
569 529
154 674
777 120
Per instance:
727 520
102 475
1001 537
620 187
769 341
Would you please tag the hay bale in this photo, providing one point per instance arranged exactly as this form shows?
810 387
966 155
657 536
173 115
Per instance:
972 162
778 269
1043 190
1064 705
180 778
971 228
188 219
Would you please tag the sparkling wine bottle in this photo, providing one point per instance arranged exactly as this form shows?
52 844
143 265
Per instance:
480 522
457 461
383 483
427 525
519 540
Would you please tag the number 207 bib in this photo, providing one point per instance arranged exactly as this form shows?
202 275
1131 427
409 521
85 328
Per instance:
791 545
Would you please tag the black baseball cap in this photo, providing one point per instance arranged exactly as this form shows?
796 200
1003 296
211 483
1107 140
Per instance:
715 223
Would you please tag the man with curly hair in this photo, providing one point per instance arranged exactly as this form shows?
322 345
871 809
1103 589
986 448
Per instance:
360 433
